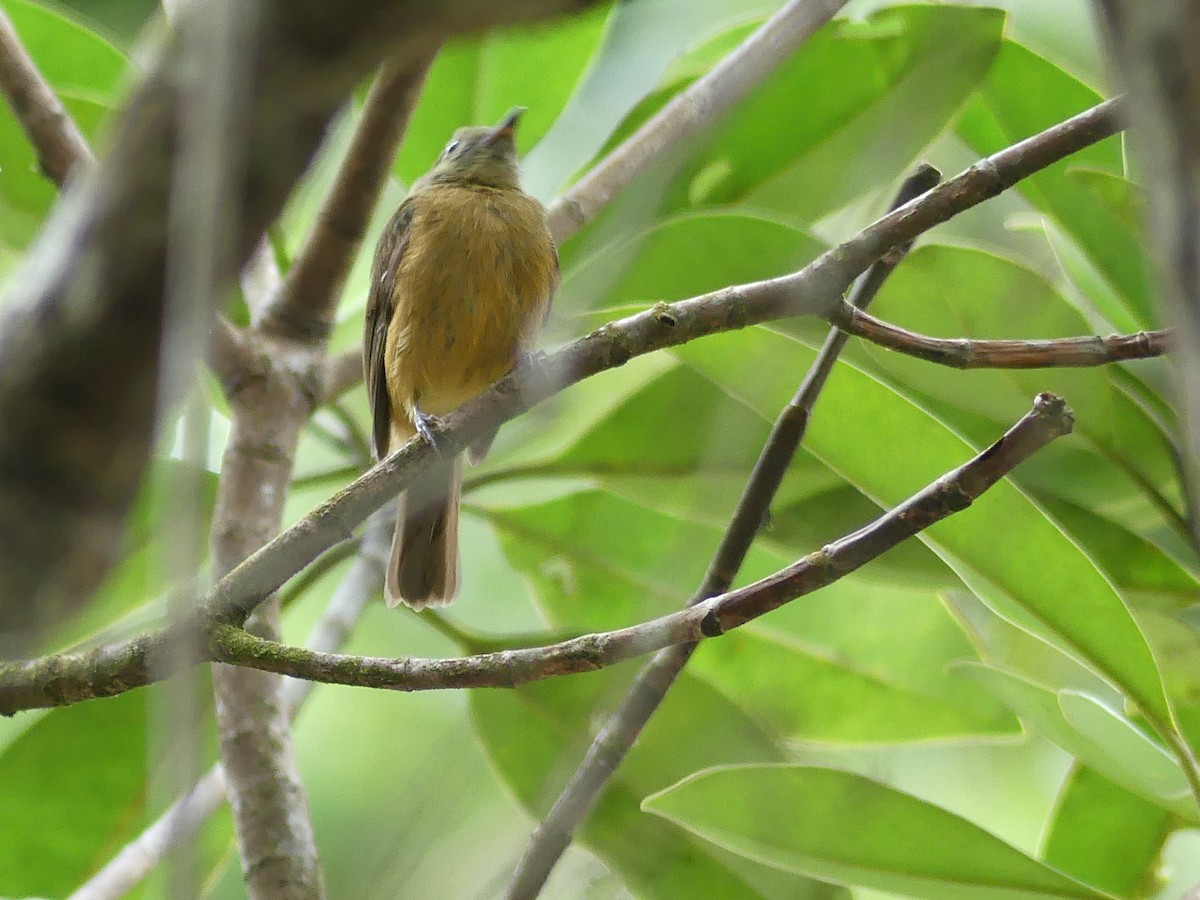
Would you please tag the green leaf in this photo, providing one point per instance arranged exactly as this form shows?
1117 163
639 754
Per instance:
26 194
836 825
1093 734
597 561
535 737
1024 94
1107 836
901 76
686 255
87 73
1128 745
74 790
640 44
71 57
1176 641
474 81
820 672
1133 563
1005 646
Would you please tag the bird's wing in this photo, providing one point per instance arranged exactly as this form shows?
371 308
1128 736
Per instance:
381 304
554 284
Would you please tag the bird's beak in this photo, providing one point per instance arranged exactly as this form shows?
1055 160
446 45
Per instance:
508 125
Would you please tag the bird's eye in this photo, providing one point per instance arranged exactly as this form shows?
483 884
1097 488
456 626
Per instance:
450 148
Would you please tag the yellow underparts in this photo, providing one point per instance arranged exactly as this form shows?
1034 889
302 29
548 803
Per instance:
470 294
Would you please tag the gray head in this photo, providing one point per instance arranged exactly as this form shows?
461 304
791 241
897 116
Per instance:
483 156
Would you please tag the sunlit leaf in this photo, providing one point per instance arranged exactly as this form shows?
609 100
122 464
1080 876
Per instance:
1105 835
831 824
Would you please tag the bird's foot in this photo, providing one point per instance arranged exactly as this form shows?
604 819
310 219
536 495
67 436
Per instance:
429 427
527 358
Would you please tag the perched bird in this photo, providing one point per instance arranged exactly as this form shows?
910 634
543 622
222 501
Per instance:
460 287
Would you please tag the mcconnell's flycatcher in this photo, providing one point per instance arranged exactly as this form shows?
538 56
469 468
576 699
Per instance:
461 283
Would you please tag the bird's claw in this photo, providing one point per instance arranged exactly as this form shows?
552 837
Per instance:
429 428
527 358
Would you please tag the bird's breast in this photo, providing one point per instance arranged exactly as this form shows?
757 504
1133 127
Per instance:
470 293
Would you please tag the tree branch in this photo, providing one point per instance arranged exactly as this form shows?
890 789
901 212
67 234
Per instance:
815 290
343 372
182 821
691 111
951 493
715 616
965 353
616 738
832 272
304 308
59 144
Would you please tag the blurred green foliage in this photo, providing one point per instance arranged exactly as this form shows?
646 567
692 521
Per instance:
965 717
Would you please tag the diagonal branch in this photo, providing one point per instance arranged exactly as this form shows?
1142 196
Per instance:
618 735
304 307
691 111
812 290
815 290
953 492
59 144
965 353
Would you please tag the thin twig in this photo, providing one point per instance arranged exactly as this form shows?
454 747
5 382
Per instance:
303 308
182 821
59 144
965 353
691 111
616 738
815 290
715 616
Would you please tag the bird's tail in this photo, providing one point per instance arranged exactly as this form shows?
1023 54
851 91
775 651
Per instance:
423 570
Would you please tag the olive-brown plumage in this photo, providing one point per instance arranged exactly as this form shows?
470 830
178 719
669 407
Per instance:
460 286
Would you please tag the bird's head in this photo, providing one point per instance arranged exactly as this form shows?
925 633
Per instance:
481 156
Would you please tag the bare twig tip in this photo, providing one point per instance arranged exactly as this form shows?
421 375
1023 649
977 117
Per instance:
1053 407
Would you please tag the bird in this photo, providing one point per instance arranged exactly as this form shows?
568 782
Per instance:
461 285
